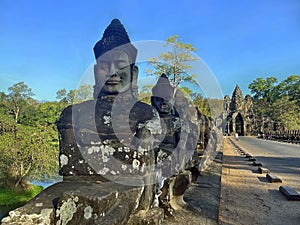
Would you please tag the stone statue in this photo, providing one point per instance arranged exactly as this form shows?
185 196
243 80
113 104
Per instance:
111 137
163 100
179 140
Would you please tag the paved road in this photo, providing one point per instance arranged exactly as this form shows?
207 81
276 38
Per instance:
282 159
247 198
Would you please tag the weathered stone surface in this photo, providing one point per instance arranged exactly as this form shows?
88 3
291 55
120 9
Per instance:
273 178
79 201
289 193
255 163
107 203
262 170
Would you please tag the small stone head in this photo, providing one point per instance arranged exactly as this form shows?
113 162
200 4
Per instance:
115 71
163 96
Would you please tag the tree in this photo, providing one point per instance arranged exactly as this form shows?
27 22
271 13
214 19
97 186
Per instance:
18 95
280 103
262 88
286 112
175 62
201 104
83 93
27 153
145 94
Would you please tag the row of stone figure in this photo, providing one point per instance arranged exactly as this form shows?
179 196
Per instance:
165 148
290 136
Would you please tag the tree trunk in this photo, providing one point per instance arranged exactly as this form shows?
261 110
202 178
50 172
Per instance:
23 174
17 110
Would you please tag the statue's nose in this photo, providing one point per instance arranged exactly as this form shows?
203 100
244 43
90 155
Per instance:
112 70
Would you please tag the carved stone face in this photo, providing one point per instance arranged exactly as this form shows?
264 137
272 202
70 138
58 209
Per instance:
113 73
162 105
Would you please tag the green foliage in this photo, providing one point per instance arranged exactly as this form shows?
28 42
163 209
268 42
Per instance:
83 93
10 197
286 112
262 88
28 144
279 102
145 94
175 62
26 153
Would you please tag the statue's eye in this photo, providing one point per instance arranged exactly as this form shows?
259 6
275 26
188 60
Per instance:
120 64
103 66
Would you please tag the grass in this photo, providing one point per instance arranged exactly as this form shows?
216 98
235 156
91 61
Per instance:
9 197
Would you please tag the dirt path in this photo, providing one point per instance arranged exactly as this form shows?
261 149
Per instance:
248 198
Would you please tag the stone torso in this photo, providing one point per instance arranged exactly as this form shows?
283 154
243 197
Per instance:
98 137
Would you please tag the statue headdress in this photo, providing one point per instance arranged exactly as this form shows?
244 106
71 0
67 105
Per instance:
163 88
115 36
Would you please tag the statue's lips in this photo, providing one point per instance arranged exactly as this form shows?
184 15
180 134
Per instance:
113 81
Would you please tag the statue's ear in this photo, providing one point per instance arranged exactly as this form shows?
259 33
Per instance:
135 71
134 87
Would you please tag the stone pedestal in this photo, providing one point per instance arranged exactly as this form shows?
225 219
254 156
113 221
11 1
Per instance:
79 201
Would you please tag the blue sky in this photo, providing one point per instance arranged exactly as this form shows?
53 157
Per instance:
48 44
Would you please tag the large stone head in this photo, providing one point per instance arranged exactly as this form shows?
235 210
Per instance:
115 71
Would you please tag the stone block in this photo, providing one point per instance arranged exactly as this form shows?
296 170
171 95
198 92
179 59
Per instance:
255 163
273 178
262 170
92 203
289 193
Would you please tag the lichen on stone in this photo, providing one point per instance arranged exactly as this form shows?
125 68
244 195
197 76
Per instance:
103 171
107 120
136 164
88 212
66 211
63 160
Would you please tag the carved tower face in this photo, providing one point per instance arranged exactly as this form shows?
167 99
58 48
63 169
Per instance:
237 100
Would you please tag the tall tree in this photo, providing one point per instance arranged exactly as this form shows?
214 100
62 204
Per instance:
174 63
19 93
